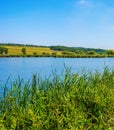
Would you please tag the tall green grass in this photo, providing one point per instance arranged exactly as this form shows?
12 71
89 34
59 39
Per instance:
68 102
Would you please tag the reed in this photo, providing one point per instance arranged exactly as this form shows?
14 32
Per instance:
71 101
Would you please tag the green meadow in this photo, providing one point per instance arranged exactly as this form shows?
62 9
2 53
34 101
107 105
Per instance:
71 101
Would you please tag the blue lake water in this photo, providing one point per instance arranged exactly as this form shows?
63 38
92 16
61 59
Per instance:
26 67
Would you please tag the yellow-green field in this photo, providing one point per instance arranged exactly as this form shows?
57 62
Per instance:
31 51
17 50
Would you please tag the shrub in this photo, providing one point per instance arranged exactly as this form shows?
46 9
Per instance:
23 51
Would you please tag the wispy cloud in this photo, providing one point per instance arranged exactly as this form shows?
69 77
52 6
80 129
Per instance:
85 3
82 1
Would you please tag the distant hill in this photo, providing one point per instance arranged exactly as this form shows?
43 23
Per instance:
75 49
60 48
15 49
18 44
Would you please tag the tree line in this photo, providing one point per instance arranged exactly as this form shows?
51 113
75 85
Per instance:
77 49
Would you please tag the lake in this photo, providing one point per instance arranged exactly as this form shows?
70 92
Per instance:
26 67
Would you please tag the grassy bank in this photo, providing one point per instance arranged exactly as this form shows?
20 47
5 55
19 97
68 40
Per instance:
68 102
16 50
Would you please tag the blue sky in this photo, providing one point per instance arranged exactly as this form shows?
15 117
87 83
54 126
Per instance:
79 23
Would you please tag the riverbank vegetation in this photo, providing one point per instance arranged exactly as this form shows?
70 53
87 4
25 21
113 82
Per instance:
18 50
65 102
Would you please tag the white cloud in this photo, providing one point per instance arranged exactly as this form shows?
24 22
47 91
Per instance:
113 27
82 1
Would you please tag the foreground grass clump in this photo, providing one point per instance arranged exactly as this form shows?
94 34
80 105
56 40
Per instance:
69 102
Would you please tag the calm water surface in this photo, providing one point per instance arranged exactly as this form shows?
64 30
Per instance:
26 67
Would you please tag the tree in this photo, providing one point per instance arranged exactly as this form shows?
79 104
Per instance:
23 51
110 52
3 50
91 52
35 53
